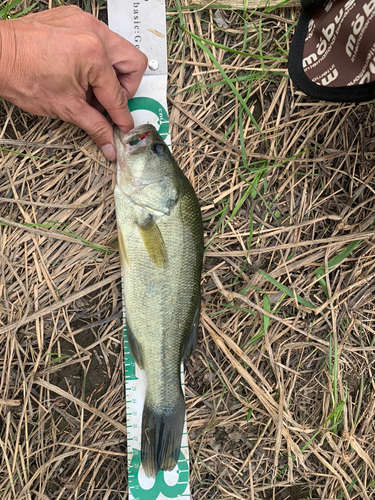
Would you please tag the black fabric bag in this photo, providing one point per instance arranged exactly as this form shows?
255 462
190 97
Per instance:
332 55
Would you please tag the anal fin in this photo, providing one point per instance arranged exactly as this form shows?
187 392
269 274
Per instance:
135 347
190 340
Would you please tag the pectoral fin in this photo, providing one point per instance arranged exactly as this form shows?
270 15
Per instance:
153 241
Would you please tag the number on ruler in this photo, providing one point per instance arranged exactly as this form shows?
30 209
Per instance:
160 486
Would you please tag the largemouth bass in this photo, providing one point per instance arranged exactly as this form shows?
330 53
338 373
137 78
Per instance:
161 250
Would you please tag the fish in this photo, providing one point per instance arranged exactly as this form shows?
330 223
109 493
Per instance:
160 236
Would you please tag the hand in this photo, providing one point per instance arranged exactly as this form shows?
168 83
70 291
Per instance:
64 62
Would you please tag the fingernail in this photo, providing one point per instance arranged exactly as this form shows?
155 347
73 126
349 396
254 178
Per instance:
109 152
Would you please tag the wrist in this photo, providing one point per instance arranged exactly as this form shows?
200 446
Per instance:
8 60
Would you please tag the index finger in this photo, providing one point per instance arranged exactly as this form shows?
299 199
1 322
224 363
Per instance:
130 63
110 94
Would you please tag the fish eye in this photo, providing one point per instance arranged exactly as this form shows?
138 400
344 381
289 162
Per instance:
159 148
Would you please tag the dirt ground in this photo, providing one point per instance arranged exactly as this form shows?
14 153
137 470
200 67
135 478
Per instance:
280 390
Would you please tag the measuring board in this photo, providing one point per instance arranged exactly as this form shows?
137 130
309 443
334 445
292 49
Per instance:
142 22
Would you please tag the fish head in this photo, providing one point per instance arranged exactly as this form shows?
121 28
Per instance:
146 170
142 156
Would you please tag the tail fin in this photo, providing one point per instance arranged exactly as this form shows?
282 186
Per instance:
161 437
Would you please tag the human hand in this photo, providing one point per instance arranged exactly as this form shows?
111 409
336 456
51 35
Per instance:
64 62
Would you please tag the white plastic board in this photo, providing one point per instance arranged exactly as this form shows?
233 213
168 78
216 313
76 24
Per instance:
142 22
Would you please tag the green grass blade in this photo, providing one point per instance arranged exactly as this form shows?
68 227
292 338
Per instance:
267 308
4 11
287 290
222 217
25 11
339 258
228 49
9 6
180 16
67 231
32 156
227 80
333 263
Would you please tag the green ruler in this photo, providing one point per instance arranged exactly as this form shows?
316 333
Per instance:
143 23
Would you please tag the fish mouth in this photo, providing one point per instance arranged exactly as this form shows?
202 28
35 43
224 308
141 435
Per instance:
133 143
134 139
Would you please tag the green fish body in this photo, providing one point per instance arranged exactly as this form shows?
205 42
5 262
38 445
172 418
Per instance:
161 251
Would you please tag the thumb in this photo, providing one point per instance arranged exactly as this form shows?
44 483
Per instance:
98 128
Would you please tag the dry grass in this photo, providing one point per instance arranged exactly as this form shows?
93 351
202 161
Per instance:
280 398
